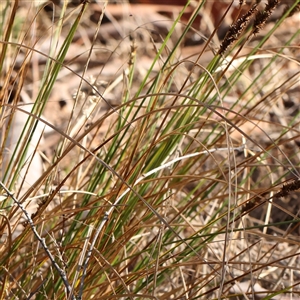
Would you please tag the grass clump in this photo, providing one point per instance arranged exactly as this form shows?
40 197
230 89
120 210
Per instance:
135 168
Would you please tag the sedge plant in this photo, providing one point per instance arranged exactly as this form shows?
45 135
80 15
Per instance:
174 178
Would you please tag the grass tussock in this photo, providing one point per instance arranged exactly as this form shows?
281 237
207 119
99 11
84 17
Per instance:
149 155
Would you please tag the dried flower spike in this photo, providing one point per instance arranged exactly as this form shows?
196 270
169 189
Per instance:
262 16
289 187
236 29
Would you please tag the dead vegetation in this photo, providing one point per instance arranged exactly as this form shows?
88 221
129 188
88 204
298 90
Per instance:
169 160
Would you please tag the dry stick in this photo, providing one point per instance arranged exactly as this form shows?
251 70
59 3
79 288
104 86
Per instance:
41 240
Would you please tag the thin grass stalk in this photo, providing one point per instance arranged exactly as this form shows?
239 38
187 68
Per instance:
148 74
126 258
8 32
59 270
